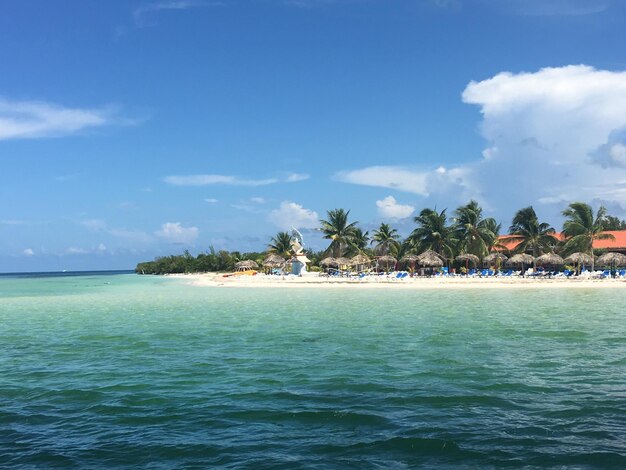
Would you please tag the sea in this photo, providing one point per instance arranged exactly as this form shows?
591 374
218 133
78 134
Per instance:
117 371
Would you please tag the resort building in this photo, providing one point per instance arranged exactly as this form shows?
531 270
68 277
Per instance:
618 244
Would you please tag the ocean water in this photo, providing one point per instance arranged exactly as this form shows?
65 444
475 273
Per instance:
125 371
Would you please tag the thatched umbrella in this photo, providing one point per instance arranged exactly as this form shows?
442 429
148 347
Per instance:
520 259
495 257
430 259
274 261
611 259
387 260
578 258
330 261
550 259
498 258
343 262
411 259
246 264
360 260
467 258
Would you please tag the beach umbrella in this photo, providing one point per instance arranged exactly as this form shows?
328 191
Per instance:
387 260
343 262
430 259
521 258
246 264
330 261
409 258
495 257
550 259
274 261
360 260
468 258
578 258
611 259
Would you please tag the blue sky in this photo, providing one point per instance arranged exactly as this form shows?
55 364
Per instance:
135 129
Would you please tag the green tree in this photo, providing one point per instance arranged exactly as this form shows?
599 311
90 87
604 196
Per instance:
614 223
281 244
386 239
337 229
581 228
474 234
533 236
434 233
358 242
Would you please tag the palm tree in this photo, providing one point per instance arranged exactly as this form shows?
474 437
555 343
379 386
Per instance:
532 236
495 244
337 229
386 238
581 228
433 233
358 242
474 233
281 244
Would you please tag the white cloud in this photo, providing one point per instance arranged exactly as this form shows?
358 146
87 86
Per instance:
76 251
205 180
409 180
210 200
389 208
553 136
101 247
295 177
174 232
35 119
140 14
12 222
257 200
551 128
28 252
94 225
290 214
136 236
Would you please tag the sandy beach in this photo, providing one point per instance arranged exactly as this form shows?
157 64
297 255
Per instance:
313 280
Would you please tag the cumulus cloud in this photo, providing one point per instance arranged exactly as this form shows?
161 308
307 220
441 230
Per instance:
28 252
389 208
36 119
174 232
553 136
210 200
101 248
289 214
72 250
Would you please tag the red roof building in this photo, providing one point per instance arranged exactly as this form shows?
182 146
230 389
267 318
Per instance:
618 244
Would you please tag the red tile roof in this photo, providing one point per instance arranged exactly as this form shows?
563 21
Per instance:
618 244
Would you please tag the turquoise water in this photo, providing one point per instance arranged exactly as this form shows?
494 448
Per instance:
144 372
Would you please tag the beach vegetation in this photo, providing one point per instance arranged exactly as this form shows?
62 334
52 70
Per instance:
280 244
434 233
339 231
386 240
534 237
474 233
582 227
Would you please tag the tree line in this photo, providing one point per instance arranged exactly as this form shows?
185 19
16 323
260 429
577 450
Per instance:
465 231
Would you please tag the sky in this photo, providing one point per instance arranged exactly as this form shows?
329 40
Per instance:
135 129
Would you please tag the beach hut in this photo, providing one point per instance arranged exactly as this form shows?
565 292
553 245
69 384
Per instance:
330 261
343 263
430 259
246 265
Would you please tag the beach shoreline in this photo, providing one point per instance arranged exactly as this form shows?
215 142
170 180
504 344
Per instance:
313 280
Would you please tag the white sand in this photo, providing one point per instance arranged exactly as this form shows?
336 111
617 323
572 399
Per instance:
313 280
